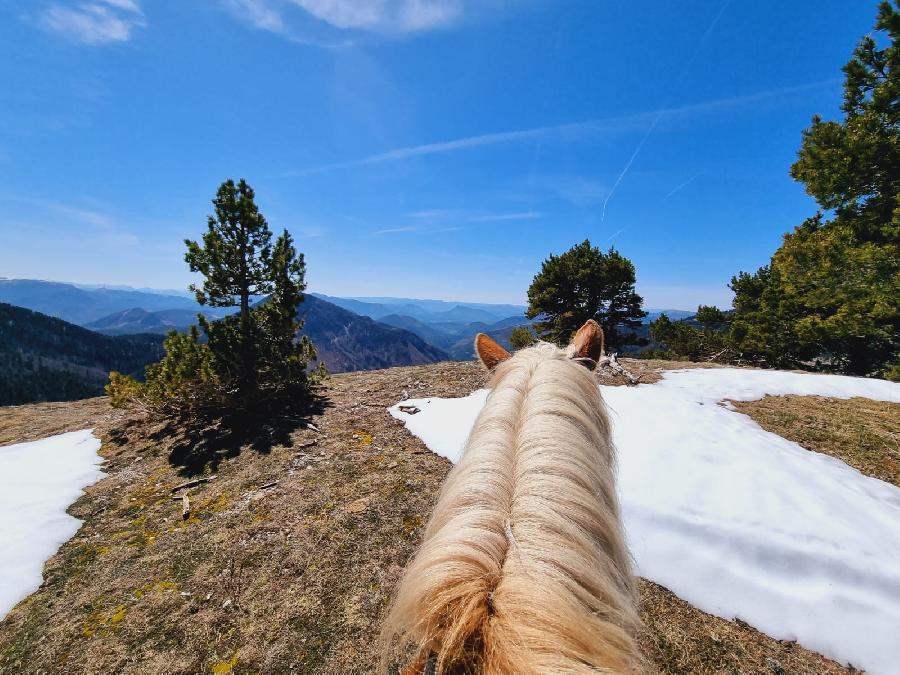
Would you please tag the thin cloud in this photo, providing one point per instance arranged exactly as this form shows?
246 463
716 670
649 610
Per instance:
396 230
498 217
258 14
430 214
67 211
127 5
93 23
328 23
385 16
609 124
56 217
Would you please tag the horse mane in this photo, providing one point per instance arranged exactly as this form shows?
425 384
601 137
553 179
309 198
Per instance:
523 567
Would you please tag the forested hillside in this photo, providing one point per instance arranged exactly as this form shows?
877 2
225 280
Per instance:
346 341
47 359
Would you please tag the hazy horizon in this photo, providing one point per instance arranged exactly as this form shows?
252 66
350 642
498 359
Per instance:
363 298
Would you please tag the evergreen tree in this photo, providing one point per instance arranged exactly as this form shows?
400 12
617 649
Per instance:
235 259
284 363
584 283
256 351
831 293
521 337
680 339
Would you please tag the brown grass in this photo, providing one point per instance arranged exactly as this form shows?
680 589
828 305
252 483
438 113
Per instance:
21 423
863 433
292 578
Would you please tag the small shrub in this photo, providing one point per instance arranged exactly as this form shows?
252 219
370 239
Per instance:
521 337
123 390
892 372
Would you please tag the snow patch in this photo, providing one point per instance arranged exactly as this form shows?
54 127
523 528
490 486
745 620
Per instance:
739 521
38 482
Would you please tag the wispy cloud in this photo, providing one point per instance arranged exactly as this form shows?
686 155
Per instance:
575 189
259 14
397 230
418 230
432 214
297 19
58 217
384 15
93 23
572 129
498 217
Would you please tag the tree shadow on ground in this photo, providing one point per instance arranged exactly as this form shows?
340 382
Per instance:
198 446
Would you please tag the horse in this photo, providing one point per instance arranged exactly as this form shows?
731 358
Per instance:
524 568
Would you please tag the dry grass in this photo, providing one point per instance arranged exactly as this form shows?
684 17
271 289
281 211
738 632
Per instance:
291 578
863 433
20 423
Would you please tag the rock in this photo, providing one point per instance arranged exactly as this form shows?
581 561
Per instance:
358 506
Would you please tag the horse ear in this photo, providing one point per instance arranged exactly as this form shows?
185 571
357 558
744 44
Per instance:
490 353
588 342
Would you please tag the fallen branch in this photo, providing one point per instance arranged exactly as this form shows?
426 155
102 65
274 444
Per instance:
185 507
409 409
308 444
193 483
613 364
266 486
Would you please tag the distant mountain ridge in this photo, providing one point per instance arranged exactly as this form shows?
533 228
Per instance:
347 341
82 306
137 320
427 311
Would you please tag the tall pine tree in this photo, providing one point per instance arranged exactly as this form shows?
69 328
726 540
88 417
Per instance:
257 350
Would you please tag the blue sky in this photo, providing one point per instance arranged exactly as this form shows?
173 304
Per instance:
420 148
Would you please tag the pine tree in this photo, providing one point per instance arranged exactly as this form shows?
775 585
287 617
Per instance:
257 350
584 283
831 293
235 259
284 363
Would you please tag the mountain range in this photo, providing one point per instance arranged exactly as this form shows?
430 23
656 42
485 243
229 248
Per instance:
79 326
82 305
345 341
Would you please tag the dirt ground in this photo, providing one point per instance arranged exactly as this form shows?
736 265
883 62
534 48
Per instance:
860 432
288 557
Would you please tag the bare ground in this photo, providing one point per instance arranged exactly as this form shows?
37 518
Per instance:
286 576
860 432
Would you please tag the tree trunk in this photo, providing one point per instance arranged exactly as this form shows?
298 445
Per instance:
248 371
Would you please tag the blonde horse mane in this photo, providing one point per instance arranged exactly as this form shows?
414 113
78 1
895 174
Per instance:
523 567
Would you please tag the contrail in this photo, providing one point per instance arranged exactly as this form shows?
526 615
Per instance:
678 188
634 154
677 86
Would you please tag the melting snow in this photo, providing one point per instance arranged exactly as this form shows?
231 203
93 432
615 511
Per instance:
739 521
38 482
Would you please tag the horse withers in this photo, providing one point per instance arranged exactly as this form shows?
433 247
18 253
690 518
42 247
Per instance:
523 568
